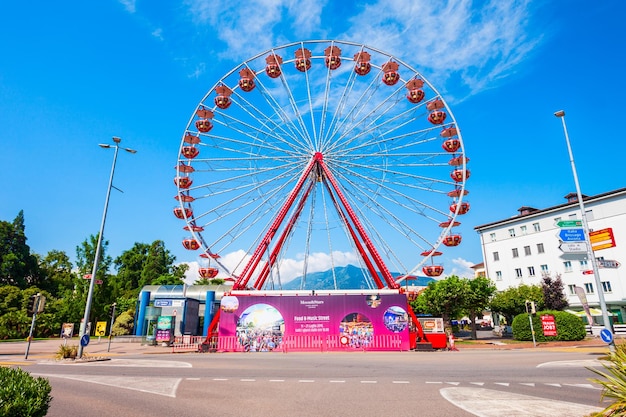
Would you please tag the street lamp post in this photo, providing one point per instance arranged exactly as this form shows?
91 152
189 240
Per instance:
594 264
92 281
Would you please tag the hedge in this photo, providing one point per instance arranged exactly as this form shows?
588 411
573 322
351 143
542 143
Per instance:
22 395
568 326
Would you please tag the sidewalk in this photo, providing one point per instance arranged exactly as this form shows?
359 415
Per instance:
48 348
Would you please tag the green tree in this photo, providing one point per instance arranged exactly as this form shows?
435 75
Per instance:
145 265
479 293
17 265
512 301
85 255
56 269
444 298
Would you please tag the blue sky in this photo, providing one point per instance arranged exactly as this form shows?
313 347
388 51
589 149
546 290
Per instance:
74 74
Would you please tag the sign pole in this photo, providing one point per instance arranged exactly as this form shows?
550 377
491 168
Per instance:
594 264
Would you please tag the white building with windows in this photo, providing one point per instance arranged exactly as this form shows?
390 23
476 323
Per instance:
521 249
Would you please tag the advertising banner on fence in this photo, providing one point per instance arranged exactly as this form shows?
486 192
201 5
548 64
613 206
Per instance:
261 322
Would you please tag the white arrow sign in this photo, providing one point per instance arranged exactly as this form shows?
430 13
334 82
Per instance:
573 247
607 263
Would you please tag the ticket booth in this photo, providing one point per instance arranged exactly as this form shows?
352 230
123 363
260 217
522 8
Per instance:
434 331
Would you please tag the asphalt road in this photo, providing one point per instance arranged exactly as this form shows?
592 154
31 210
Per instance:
480 382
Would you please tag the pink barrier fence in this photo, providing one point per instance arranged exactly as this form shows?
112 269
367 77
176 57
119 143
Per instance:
186 343
314 343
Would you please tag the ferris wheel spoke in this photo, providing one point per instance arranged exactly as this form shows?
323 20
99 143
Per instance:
387 126
247 221
286 171
254 140
391 193
264 119
385 214
388 173
359 104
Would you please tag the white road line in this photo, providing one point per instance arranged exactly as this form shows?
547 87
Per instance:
336 381
369 382
277 380
583 386
160 386
247 380
491 403
433 382
585 363
504 384
553 385
529 384
453 383
400 382
477 383
220 379
306 380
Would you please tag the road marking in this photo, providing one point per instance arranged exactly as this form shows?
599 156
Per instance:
453 383
504 384
484 402
369 382
583 386
477 383
220 379
336 381
400 382
247 380
433 382
553 385
192 379
160 386
277 380
528 384
306 380
584 363
135 363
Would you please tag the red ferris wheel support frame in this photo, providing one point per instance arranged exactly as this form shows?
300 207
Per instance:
362 241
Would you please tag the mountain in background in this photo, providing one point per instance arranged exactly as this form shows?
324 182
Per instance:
349 277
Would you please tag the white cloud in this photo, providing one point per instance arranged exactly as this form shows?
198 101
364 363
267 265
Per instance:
129 5
475 43
158 33
462 268
462 46
289 268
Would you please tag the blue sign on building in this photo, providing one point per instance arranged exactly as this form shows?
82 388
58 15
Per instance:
162 303
572 235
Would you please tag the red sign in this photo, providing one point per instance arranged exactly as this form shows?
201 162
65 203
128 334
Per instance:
548 324
602 239
588 272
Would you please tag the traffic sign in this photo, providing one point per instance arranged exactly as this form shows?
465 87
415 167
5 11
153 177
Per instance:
602 239
569 223
573 247
606 335
84 341
608 263
588 272
572 235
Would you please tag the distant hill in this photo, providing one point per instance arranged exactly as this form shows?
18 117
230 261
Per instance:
348 277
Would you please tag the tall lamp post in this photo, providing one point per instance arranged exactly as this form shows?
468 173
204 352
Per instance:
594 263
96 260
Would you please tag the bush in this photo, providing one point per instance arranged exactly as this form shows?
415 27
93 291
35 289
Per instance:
22 395
568 326
67 352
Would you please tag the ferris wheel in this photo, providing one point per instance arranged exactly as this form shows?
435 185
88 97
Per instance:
321 154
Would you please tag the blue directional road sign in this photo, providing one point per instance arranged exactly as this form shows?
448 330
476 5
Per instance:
84 340
572 235
606 335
